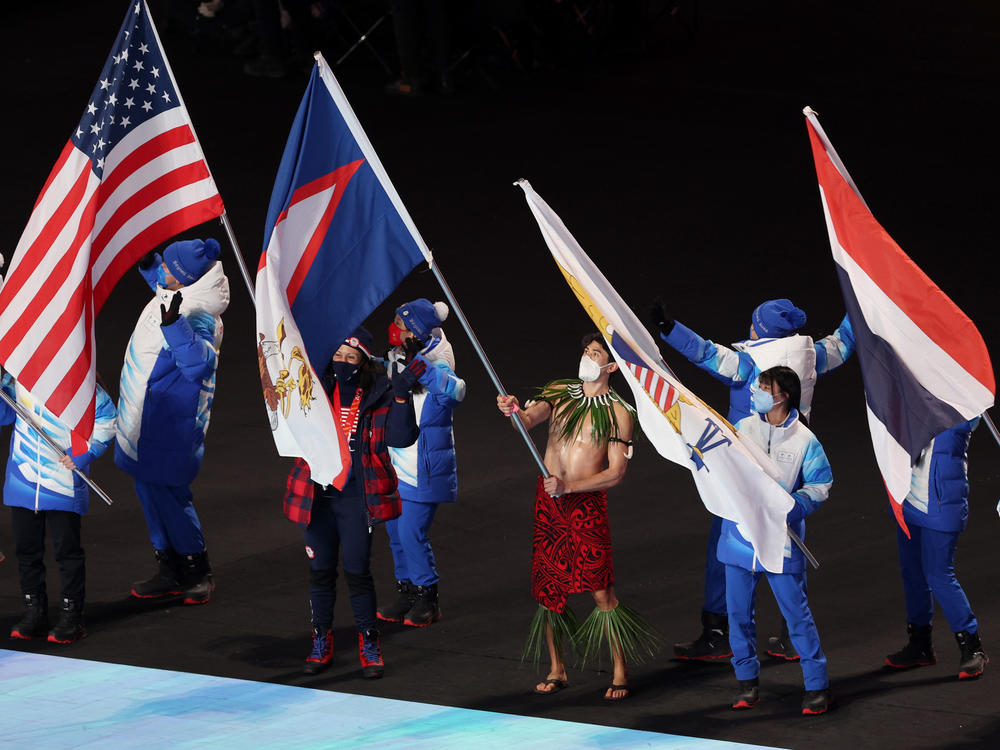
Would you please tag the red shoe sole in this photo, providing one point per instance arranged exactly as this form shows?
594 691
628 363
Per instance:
810 712
783 657
18 635
52 639
908 666
155 596
413 624
383 618
745 704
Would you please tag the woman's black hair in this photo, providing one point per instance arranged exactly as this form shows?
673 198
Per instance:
369 371
787 381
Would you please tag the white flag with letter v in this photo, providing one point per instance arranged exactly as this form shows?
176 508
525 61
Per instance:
736 480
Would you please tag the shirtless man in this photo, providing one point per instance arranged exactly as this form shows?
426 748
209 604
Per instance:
590 434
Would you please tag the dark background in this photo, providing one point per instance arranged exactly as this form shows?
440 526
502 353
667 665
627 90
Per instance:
675 150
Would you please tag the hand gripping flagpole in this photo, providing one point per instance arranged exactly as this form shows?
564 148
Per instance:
59 451
486 362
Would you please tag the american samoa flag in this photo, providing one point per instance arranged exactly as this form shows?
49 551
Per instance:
924 364
735 479
131 176
338 241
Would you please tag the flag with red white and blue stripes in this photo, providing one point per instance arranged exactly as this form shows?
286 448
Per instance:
924 363
337 242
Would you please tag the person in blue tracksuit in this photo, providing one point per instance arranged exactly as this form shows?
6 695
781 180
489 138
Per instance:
804 471
773 341
936 511
427 469
43 493
165 400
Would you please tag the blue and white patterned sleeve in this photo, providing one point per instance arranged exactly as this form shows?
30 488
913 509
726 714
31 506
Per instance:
817 478
719 361
835 349
441 380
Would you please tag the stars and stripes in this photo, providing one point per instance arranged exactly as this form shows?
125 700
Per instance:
131 175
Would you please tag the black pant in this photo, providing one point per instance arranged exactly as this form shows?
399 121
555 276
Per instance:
29 540
339 524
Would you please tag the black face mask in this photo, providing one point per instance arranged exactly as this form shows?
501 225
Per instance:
346 372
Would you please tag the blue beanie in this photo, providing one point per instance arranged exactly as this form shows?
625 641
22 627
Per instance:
421 317
777 318
361 340
189 259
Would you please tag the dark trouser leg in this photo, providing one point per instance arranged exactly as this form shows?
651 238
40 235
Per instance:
715 572
65 529
355 553
322 546
937 549
919 604
29 545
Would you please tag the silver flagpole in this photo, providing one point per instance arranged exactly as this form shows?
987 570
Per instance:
224 220
486 362
59 451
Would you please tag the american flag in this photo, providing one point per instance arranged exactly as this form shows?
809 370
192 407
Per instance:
131 176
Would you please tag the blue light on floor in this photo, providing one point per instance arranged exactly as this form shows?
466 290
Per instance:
55 702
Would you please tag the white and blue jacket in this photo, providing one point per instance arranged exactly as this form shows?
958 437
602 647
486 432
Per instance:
427 469
804 472
168 383
35 479
939 483
739 367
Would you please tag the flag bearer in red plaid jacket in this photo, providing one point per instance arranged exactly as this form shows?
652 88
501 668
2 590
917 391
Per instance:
374 414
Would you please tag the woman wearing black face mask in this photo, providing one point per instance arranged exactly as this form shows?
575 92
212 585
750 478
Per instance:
374 414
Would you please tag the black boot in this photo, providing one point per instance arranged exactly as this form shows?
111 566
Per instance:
196 578
370 652
918 652
35 622
425 608
165 582
69 628
712 644
974 659
816 702
748 695
781 647
404 601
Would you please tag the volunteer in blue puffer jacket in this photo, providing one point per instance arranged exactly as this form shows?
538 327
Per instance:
165 400
805 473
43 492
936 511
773 341
427 469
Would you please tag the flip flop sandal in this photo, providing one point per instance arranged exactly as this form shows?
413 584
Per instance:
556 683
614 687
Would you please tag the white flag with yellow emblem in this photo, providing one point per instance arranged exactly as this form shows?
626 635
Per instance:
736 480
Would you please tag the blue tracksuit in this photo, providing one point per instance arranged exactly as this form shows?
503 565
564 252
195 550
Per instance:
936 511
738 370
806 474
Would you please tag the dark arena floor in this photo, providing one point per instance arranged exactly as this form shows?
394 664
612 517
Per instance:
671 142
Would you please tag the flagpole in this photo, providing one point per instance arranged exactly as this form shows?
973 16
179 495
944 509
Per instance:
30 419
224 220
810 114
486 362
992 426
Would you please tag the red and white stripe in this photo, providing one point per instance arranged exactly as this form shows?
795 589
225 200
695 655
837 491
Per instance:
661 391
81 237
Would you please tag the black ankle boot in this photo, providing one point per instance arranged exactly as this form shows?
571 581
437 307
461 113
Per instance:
166 580
35 622
404 601
69 627
425 609
196 578
918 652
781 647
974 659
748 695
712 644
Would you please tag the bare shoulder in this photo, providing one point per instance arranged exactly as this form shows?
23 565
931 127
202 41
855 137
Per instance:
624 418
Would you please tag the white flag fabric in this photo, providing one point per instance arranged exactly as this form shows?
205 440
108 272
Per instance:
736 480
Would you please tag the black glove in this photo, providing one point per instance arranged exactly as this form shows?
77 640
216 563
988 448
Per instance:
412 346
169 316
658 316
404 380
147 261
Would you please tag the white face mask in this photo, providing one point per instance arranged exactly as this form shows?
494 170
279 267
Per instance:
589 370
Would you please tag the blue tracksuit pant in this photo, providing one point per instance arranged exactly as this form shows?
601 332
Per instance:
790 592
927 561
170 515
338 526
411 545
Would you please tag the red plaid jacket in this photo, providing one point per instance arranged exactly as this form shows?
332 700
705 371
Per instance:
383 422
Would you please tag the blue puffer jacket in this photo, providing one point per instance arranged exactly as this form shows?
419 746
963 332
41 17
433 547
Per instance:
168 384
738 370
35 479
428 470
939 485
